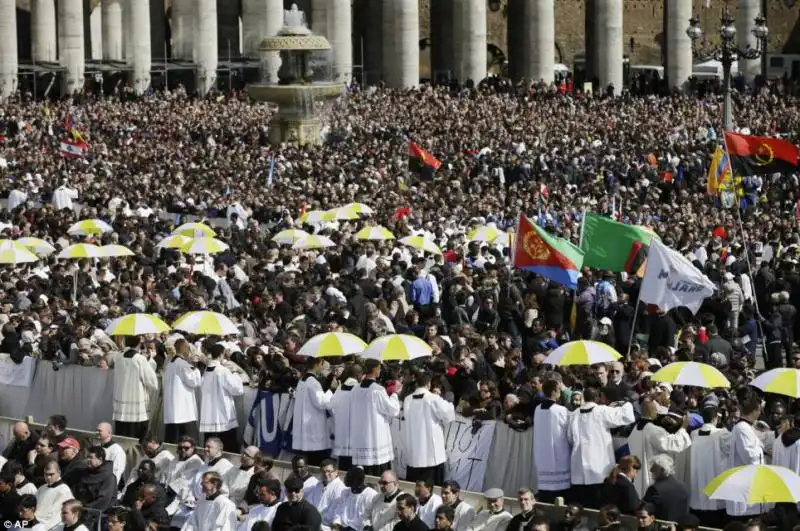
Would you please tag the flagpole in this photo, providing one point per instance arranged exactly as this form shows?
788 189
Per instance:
633 327
746 252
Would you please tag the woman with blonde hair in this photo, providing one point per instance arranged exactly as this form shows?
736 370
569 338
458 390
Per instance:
618 488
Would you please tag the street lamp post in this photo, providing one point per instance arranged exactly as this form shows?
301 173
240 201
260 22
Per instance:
727 51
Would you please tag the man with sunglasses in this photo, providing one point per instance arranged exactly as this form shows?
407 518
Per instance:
296 511
382 514
178 475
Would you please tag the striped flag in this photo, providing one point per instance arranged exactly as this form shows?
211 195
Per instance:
73 149
271 175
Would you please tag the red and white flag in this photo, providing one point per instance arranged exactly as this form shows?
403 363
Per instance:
73 149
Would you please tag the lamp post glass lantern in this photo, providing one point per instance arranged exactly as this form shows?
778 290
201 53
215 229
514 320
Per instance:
727 51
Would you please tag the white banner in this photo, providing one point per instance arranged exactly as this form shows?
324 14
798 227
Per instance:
399 462
468 452
17 375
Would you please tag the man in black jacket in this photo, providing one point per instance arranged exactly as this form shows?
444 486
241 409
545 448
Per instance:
668 495
73 468
97 489
24 441
150 508
296 511
9 499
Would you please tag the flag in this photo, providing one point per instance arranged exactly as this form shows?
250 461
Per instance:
70 127
72 149
719 172
544 254
609 245
672 281
419 159
271 175
760 155
269 423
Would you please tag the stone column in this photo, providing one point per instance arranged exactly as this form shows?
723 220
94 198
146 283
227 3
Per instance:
539 41
609 44
9 61
470 40
340 35
71 44
140 51
679 46
205 45
43 31
745 22
182 25
442 33
262 18
112 30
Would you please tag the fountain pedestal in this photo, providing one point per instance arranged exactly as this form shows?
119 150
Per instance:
297 96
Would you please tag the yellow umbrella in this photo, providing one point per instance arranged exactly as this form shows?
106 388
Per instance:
13 253
37 246
174 242
315 216
116 250
206 324
204 246
755 484
374 233
195 230
489 235
359 208
82 250
136 324
397 347
779 381
421 243
342 213
313 242
89 226
691 373
289 236
332 344
582 353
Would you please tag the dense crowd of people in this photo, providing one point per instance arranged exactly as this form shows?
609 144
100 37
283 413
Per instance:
605 436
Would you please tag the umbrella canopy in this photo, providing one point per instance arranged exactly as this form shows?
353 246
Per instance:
289 236
37 246
195 230
582 353
173 242
359 208
779 381
206 323
489 235
136 324
691 373
89 226
82 250
116 250
397 347
204 246
332 344
335 214
421 243
315 216
313 242
374 233
12 253
755 484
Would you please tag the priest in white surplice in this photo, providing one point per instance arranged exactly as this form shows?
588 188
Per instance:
343 409
155 452
708 458
648 440
786 449
464 512
215 462
269 492
325 494
354 504
115 454
134 382
551 450
181 380
179 474
746 449
51 496
427 502
215 512
238 477
425 416
382 514
370 431
589 435
310 434
218 417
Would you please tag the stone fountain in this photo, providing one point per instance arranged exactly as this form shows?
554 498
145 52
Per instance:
297 89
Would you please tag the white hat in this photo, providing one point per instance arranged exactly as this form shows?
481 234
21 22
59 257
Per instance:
606 321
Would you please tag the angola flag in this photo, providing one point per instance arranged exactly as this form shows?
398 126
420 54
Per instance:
419 159
759 155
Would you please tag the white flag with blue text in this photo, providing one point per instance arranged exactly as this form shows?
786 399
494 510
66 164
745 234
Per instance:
671 280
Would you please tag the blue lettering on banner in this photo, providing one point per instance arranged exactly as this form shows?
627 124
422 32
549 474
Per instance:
269 423
664 274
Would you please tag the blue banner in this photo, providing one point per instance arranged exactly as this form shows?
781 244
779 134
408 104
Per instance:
269 425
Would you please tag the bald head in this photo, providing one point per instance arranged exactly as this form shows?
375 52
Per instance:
21 431
104 432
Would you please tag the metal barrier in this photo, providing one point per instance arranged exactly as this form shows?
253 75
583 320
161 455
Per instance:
283 468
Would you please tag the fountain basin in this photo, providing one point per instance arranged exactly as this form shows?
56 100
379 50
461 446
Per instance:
291 94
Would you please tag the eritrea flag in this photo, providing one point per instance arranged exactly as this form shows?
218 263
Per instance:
760 155
419 159
542 253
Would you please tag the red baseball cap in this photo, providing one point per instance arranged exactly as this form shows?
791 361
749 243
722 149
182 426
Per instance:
70 442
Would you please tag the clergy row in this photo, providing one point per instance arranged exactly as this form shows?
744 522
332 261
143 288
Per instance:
391 46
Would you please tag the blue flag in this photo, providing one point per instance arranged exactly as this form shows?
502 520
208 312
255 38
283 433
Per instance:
269 425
